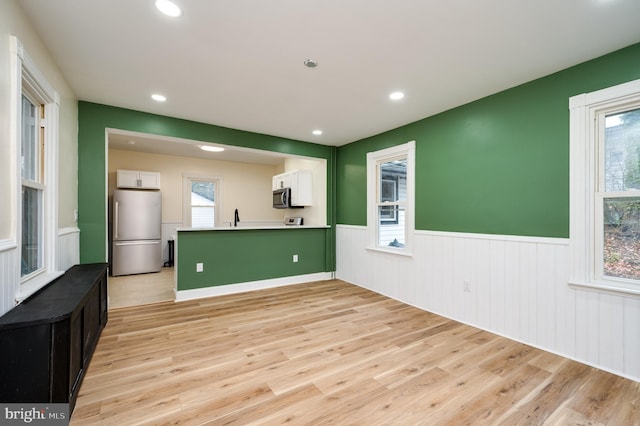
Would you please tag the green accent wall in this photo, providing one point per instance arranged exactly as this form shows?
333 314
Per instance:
244 255
94 119
499 165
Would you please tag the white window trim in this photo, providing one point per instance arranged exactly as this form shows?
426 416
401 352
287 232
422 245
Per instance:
187 178
373 158
584 110
23 69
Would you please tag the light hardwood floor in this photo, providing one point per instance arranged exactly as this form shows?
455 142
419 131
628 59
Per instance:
331 353
141 289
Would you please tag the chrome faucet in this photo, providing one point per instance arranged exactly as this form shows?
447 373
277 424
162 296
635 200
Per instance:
236 218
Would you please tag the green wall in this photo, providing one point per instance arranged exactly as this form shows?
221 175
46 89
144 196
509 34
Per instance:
499 165
244 255
93 119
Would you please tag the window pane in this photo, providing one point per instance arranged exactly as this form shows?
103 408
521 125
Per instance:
206 191
31 230
202 217
203 204
622 238
392 189
622 151
29 154
391 226
393 180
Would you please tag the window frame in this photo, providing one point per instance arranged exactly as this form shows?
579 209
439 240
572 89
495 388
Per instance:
374 160
35 182
586 141
187 179
27 79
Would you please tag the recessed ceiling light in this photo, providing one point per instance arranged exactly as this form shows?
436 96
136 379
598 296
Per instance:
310 63
159 98
169 8
317 132
211 148
396 96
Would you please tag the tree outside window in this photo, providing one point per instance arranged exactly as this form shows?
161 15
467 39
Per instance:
620 206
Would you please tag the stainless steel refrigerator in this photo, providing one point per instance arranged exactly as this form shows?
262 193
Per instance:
136 244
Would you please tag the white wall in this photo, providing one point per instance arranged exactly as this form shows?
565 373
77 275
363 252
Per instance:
245 186
14 23
518 289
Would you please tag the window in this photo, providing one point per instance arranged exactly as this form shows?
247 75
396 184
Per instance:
201 206
33 187
618 195
390 190
605 189
37 149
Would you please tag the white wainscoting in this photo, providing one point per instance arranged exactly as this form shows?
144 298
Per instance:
68 248
9 272
519 289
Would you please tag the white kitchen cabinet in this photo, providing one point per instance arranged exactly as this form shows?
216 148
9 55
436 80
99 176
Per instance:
300 183
277 182
137 179
282 180
301 189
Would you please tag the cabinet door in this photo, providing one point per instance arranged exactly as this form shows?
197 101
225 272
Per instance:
137 179
149 180
90 323
281 181
286 180
301 188
126 179
103 300
24 356
75 353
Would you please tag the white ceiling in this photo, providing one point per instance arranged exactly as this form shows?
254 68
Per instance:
239 63
132 141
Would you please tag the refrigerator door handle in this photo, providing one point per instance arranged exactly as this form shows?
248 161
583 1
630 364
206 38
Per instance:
136 243
115 220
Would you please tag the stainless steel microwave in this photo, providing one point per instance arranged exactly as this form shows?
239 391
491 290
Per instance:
282 198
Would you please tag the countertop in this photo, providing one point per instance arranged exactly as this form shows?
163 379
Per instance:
247 228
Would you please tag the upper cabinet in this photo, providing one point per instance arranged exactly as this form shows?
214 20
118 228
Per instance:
300 183
137 179
282 180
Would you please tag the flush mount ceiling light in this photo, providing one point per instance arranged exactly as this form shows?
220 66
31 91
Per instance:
310 63
396 96
158 98
317 132
211 148
169 8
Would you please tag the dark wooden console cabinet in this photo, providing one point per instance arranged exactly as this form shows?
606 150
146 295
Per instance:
47 341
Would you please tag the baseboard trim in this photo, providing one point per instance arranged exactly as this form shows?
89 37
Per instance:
199 293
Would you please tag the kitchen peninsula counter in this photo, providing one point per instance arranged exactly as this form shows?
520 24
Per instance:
253 227
226 259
